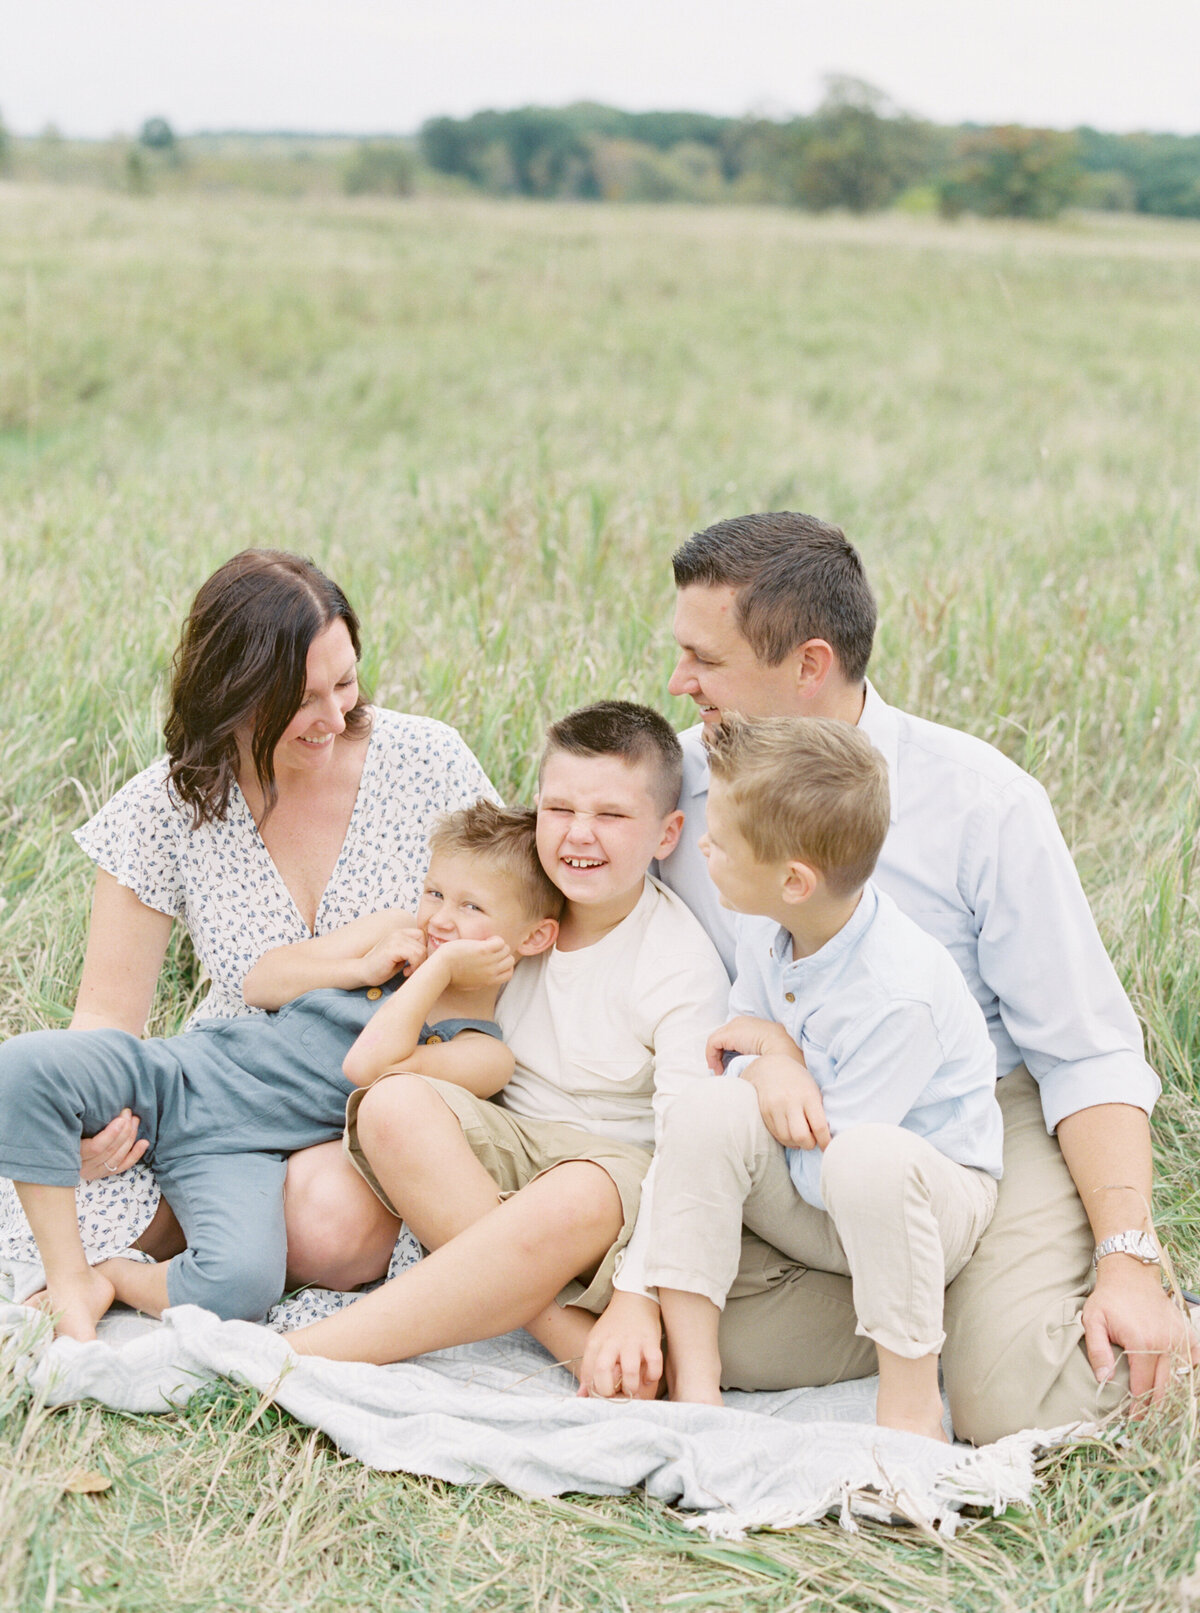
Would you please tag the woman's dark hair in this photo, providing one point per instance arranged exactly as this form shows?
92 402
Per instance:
242 662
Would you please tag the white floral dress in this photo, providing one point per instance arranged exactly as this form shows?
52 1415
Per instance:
219 881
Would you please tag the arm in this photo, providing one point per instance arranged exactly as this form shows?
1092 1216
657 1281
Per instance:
365 952
127 942
391 1039
1107 1151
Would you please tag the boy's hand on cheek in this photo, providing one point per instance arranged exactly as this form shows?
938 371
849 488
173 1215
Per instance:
401 948
475 965
789 1101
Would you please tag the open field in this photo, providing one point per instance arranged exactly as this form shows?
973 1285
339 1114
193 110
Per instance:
492 423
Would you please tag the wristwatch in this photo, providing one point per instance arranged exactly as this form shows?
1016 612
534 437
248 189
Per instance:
1140 1245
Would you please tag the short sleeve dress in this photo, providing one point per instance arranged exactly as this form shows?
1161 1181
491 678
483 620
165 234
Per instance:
219 881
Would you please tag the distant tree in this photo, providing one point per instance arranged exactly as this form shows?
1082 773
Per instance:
1012 172
5 147
1163 170
137 173
380 170
858 151
157 135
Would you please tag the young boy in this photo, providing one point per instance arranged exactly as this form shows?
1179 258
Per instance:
605 1028
863 1135
224 1103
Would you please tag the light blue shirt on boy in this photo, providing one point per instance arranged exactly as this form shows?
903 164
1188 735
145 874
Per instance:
889 1031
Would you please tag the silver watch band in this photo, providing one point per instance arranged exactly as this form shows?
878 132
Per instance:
1140 1245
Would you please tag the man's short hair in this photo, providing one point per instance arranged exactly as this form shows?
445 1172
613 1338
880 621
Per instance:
635 733
505 839
807 789
795 578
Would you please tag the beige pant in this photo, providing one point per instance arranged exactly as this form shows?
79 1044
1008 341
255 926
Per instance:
1013 1356
902 1218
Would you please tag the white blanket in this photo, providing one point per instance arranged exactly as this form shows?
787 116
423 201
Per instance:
502 1411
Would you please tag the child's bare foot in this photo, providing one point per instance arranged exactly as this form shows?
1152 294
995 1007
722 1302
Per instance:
909 1398
695 1387
76 1303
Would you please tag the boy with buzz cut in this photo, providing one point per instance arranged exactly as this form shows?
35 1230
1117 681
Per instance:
224 1103
606 1028
860 1131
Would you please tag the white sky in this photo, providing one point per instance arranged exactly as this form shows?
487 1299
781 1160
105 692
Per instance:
95 67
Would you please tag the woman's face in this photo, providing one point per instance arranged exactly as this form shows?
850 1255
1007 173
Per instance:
330 691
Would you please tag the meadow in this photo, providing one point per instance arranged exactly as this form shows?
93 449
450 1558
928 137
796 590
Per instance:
492 422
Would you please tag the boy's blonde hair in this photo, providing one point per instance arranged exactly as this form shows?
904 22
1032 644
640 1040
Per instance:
806 789
505 839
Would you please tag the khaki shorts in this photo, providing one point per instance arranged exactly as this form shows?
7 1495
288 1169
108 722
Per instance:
514 1152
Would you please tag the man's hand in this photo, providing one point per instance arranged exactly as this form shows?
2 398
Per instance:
401 948
112 1150
789 1101
1128 1310
745 1034
473 965
623 1356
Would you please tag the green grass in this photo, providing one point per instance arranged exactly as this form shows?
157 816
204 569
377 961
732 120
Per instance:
492 423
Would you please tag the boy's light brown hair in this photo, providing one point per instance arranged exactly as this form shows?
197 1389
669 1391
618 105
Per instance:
805 789
505 839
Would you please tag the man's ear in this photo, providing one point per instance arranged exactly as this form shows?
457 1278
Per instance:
671 830
799 882
540 939
814 661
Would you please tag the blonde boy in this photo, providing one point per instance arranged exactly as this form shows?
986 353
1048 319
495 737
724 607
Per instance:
860 1132
220 1106
526 1201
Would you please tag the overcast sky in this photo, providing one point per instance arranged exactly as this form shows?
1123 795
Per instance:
95 67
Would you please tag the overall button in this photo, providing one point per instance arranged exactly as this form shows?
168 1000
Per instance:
374 994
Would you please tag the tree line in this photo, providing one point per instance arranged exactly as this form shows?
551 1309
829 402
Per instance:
857 151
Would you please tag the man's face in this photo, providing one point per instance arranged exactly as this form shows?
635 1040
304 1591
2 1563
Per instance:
718 668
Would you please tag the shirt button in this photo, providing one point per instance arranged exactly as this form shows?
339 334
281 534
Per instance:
374 994
789 996
429 1040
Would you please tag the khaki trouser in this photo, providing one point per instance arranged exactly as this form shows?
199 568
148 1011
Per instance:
1013 1356
902 1218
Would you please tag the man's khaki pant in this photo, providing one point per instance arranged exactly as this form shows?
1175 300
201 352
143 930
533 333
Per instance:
1013 1356
900 1220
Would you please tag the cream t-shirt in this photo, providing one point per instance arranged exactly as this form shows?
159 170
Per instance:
604 1037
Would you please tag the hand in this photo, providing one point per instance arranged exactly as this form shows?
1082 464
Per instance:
401 948
112 1150
789 1101
623 1355
1128 1310
474 965
745 1034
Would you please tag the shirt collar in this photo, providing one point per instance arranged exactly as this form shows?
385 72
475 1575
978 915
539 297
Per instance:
878 722
837 946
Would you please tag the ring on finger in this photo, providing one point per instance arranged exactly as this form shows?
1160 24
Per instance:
111 1168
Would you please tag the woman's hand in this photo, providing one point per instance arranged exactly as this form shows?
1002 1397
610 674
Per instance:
112 1150
745 1034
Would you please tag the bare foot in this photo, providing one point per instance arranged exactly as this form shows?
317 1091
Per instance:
696 1388
76 1303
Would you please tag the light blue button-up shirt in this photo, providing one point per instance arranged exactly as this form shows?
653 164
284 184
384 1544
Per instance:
975 857
888 1030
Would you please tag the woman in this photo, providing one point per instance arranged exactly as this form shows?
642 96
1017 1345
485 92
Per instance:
285 806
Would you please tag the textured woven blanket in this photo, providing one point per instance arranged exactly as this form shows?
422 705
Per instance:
502 1411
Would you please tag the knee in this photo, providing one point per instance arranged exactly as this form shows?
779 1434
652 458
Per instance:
870 1164
237 1282
338 1233
707 1113
391 1115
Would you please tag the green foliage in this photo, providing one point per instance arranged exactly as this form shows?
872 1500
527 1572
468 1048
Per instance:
1012 172
379 169
5 147
858 151
1162 171
157 135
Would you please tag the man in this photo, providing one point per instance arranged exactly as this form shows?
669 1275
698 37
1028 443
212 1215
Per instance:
775 617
